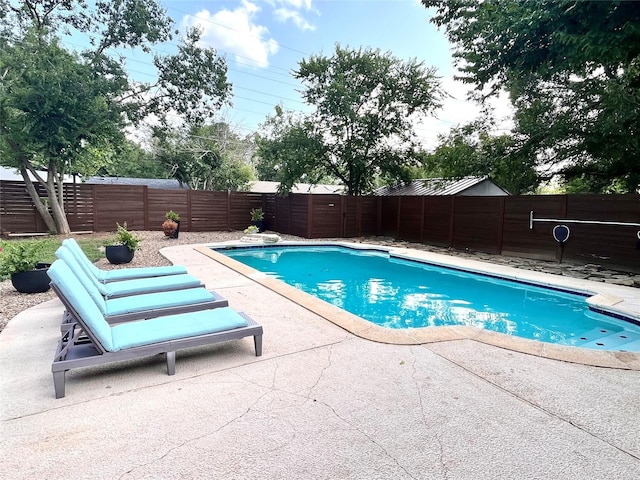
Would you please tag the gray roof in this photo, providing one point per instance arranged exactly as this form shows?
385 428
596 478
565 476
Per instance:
439 186
261 186
160 183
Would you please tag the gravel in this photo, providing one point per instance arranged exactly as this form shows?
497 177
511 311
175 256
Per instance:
152 241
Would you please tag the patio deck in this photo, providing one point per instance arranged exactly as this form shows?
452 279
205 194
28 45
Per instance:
320 403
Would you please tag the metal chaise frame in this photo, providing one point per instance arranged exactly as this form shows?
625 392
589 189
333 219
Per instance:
79 347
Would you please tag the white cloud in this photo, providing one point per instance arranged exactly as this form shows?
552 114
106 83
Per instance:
295 4
235 31
293 10
284 14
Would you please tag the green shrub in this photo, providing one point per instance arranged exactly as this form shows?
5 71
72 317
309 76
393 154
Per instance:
19 256
257 214
125 237
171 215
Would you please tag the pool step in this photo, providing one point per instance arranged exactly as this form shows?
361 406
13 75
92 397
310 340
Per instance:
631 346
601 339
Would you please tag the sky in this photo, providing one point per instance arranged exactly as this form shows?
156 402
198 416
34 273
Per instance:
264 41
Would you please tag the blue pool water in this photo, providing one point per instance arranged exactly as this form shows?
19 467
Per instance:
397 293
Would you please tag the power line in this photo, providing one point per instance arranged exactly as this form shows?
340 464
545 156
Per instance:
129 59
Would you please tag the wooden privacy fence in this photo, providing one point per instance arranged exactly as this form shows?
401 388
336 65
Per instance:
488 224
99 207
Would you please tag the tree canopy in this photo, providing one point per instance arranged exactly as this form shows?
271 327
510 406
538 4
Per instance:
365 102
572 69
208 157
472 149
289 151
55 104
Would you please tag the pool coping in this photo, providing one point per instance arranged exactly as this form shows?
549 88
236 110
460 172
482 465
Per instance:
612 298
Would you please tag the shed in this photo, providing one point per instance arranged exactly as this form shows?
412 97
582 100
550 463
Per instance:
261 186
159 183
466 186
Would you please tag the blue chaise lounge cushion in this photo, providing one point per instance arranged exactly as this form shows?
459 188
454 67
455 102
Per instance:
128 287
174 327
105 276
67 282
155 301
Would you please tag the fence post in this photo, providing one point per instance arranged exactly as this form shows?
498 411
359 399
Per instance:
309 215
94 212
229 210
358 216
500 225
398 211
289 216
189 200
424 201
145 207
379 215
452 218
343 215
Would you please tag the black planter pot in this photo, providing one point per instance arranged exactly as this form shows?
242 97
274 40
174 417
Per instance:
118 254
177 230
259 224
32 281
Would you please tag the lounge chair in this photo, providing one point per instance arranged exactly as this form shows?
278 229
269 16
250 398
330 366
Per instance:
129 287
136 307
90 340
106 276
143 306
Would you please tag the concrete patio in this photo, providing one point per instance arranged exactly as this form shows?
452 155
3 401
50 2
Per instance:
320 403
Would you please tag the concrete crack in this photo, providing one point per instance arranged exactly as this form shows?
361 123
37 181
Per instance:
440 454
199 437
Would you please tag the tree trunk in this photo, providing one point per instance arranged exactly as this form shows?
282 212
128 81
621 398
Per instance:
56 220
55 186
41 208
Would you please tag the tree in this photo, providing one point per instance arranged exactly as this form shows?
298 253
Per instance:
572 69
51 107
208 157
365 104
289 153
471 149
54 104
127 159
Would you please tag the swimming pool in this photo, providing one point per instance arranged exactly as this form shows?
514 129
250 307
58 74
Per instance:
402 294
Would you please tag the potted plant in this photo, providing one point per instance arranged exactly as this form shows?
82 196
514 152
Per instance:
171 226
124 246
257 219
21 261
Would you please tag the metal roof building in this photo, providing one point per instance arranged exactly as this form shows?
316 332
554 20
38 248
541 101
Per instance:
161 183
469 186
261 186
